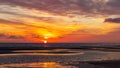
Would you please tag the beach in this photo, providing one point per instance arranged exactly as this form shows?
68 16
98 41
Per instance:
57 57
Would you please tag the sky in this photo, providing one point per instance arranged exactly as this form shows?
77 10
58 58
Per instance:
61 21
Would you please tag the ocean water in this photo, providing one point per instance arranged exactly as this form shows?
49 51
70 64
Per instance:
60 55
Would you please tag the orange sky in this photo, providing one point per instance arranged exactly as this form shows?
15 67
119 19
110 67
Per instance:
59 21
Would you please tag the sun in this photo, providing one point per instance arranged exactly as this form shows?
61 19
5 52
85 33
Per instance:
45 41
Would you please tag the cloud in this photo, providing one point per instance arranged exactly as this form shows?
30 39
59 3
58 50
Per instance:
15 37
2 35
113 20
17 23
10 22
69 6
25 15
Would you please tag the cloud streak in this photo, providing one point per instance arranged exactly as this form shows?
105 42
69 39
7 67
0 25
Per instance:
113 20
10 36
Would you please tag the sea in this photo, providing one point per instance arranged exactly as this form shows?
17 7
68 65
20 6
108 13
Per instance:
60 55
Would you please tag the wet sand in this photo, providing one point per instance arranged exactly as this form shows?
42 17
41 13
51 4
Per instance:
60 58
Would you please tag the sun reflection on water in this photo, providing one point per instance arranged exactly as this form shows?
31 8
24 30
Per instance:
39 65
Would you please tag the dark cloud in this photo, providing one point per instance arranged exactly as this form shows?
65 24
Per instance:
36 36
15 37
113 20
2 35
68 6
10 36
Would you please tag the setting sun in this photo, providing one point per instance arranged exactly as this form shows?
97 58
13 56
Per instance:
45 41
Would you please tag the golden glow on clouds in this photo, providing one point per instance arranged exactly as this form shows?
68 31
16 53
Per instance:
45 25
